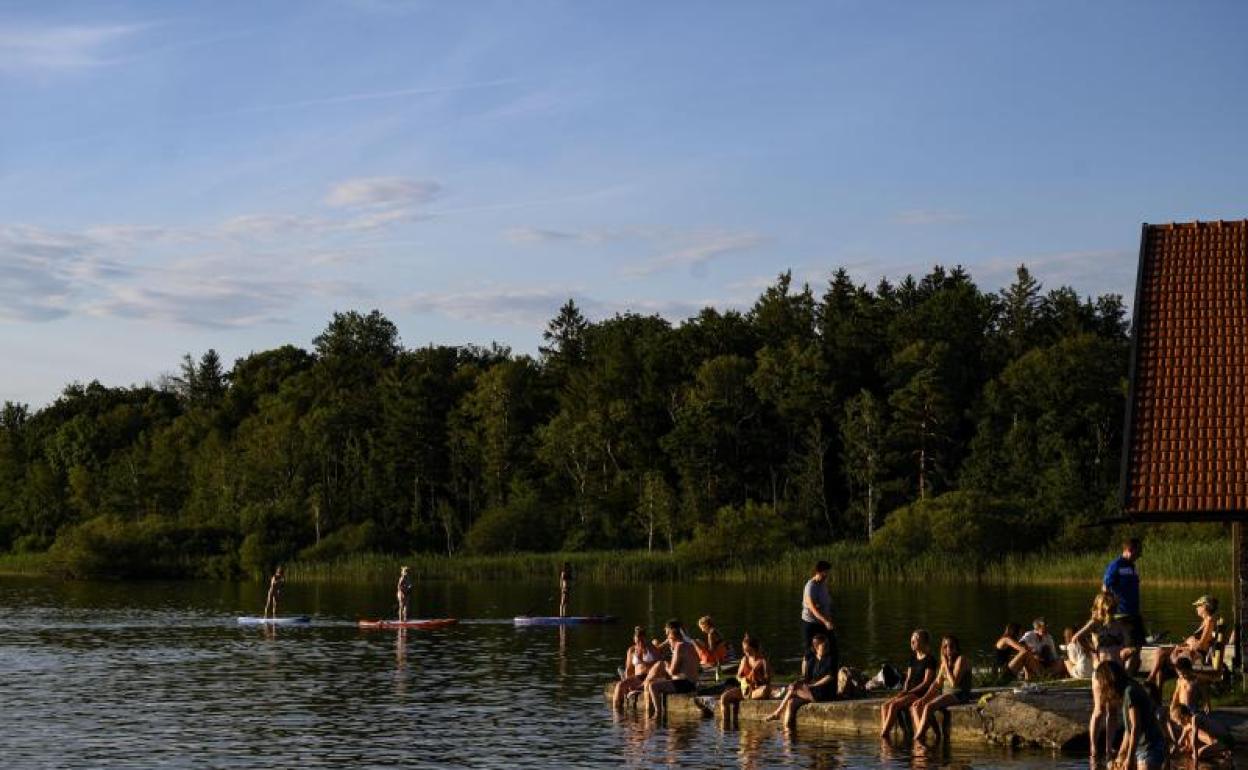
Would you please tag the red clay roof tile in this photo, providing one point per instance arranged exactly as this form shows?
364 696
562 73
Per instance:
1188 415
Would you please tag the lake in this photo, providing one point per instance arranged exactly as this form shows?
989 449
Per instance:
159 675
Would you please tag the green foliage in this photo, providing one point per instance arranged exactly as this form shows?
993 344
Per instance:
1200 562
969 525
723 438
516 526
353 538
738 535
108 546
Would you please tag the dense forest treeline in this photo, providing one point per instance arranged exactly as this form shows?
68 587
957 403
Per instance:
923 416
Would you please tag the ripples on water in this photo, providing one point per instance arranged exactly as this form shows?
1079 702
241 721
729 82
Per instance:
159 676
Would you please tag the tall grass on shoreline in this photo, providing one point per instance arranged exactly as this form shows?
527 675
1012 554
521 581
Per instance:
1166 562
23 564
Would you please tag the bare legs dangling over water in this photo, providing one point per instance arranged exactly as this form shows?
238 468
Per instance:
817 683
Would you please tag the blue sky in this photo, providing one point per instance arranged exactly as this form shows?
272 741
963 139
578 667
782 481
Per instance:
179 176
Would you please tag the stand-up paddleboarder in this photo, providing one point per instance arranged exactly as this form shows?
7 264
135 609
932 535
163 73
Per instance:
403 592
565 588
276 584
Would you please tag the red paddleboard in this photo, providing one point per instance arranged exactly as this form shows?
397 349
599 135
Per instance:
418 623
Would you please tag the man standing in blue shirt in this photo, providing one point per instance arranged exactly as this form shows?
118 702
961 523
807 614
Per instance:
1123 581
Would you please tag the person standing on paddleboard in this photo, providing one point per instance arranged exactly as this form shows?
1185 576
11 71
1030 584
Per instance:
565 588
817 613
276 584
1122 579
404 592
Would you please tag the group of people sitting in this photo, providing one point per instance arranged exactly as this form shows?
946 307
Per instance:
1105 650
1035 654
1099 651
654 668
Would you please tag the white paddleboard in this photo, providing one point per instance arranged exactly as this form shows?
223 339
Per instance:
290 620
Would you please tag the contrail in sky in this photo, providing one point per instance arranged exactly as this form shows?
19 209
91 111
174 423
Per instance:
364 97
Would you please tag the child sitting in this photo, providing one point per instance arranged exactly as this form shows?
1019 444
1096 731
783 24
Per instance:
714 650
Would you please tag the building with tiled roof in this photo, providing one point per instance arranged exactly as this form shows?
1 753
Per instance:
1186 440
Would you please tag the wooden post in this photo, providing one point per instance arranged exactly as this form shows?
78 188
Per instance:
1239 585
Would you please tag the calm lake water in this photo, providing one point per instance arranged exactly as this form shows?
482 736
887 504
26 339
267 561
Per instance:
158 675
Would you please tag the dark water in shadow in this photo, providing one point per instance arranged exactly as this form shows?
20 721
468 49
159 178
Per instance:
148 675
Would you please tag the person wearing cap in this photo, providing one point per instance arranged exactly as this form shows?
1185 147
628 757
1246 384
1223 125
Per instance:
1122 579
403 592
1195 647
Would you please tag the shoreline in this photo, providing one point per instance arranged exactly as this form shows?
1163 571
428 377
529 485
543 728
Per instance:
1172 563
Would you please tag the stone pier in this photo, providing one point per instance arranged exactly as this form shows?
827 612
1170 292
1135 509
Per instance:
1048 717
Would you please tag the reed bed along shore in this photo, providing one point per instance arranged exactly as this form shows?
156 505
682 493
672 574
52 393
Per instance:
1166 562
23 564
1199 562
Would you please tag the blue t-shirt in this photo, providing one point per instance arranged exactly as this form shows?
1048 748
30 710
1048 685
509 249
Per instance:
817 592
1122 579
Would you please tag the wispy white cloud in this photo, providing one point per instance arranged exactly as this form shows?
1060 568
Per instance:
60 48
268 225
675 248
363 96
382 191
1096 271
530 308
699 250
130 235
38 270
928 217
233 273
539 235
209 303
530 235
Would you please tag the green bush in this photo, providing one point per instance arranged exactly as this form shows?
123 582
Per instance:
516 526
111 547
965 524
358 538
738 535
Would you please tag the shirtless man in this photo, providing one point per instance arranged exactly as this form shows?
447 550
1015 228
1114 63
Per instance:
276 583
679 675
403 592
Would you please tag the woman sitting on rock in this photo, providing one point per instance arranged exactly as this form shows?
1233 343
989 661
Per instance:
714 650
921 671
638 659
1194 648
951 687
753 680
1079 662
